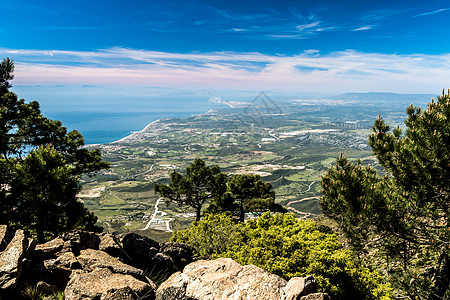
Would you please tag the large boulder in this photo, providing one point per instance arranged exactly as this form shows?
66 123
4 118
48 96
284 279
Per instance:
125 293
91 259
101 283
181 254
57 271
316 296
174 287
5 236
162 266
109 245
11 260
49 249
298 287
222 278
139 250
78 240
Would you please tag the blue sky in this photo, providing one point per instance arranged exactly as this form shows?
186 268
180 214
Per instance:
93 51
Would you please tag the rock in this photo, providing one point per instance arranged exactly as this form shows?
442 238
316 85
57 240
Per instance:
43 287
162 265
56 273
49 249
102 283
139 250
174 287
109 245
92 259
298 287
5 236
222 278
316 296
11 260
78 240
181 254
125 293
69 260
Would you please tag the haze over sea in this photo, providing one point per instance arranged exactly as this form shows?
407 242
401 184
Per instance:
102 128
111 124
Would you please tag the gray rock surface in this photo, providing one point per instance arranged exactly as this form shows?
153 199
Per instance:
91 259
174 287
139 250
109 245
78 240
316 296
49 249
101 283
5 233
163 264
57 272
125 293
222 278
11 260
181 254
298 287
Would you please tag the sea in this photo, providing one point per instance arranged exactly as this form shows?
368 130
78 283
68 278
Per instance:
107 127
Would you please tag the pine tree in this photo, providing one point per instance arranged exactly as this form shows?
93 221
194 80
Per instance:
194 189
40 167
244 193
403 212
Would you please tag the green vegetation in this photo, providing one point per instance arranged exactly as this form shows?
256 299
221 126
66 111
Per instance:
289 150
32 293
283 245
244 193
200 184
400 217
40 167
237 194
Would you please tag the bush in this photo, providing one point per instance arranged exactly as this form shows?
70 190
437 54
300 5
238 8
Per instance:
288 247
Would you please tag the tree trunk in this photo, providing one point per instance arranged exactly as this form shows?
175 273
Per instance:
241 214
441 278
40 234
198 212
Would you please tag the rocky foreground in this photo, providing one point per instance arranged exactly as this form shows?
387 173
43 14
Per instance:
87 265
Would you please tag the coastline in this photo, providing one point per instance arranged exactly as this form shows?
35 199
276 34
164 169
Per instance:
149 126
133 134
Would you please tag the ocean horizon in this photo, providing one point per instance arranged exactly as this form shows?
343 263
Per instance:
107 127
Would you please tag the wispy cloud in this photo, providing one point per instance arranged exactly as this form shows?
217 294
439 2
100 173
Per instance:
368 27
263 24
310 71
308 26
432 12
380 15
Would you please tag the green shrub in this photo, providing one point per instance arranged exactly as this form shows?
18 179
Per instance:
283 245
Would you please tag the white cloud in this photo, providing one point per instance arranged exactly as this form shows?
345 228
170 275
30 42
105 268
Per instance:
309 71
363 28
308 26
432 12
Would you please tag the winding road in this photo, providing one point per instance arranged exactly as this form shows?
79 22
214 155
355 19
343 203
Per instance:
304 215
154 221
142 173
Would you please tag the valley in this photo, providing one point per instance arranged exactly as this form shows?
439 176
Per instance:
289 144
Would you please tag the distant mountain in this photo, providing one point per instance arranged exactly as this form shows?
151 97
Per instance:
389 97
